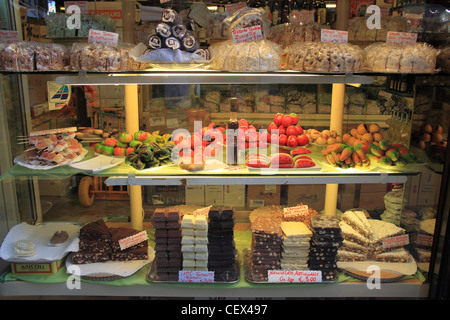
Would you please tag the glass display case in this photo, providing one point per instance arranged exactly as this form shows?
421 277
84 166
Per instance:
124 175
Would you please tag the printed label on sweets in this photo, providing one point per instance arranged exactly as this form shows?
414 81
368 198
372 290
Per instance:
397 241
334 36
133 240
247 34
233 7
401 38
103 37
201 211
294 276
303 17
295 211
196 276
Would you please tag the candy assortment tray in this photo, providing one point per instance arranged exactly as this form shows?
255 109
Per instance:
331 277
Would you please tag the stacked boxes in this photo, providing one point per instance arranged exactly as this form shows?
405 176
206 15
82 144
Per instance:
168 255
295 246
194 243
265 250
221 246
326 240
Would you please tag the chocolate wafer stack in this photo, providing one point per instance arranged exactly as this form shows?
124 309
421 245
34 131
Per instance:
326 240
221 246
168 255
265 253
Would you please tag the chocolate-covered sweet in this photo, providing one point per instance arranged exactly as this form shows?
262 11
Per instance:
59 236
154 42
163 30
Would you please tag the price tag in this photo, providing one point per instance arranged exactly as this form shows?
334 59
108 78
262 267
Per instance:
401 38
202 211
9 37
247 34
297 211
83 5
233 7
296 276
397 241
334 36
424 240
196 276
304 17
164 1
133 240
103 37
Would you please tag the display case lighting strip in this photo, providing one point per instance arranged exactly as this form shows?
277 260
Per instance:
205 77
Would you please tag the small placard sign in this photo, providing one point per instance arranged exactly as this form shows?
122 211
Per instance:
103 37
334 36
247 34
294 276
401 38
397 241
83 5
195 276
202 211
304 17
133 240
8 37
295 211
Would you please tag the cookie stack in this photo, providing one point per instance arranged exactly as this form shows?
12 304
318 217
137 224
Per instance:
194 242
168 255
221 246
295 246
326 240
265 250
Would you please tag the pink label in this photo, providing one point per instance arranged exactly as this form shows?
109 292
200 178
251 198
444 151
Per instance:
397 241
334 36
297 276
83 5
233 7
424 240
103 37
133 240
202 211
9 36
401 38
247 34
296 211
304 16
195 276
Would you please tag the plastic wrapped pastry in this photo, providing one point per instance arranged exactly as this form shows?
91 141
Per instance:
323 57
288 33
51 56
259 56
245 18
382 57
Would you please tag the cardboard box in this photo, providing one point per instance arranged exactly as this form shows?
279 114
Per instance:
346 201
37 268
263 195
214 195
234 196
373 188
36 32
195 195
165 195
371 200
311 195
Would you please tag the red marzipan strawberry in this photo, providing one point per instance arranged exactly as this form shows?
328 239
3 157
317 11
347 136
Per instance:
291 131
287 121
292 142
278 119
294 118
271 127
303 140
283 140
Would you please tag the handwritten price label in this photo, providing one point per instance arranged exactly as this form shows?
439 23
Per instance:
195 276
334 36
83 5
233 7
397 241
201 211
9 37
297 211
401 38
133 240
294 276
103 37
247 34
424 240
302 17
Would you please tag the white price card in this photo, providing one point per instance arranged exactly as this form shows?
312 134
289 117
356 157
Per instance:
202 211
294 276
394 242
195 276
133 240
233 7
401 38
103 37
334 36
303 17
247 34
297 211
83 5
8 37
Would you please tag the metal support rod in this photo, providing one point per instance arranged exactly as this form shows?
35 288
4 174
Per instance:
132 125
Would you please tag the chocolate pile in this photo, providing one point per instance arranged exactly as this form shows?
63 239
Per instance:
168 256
